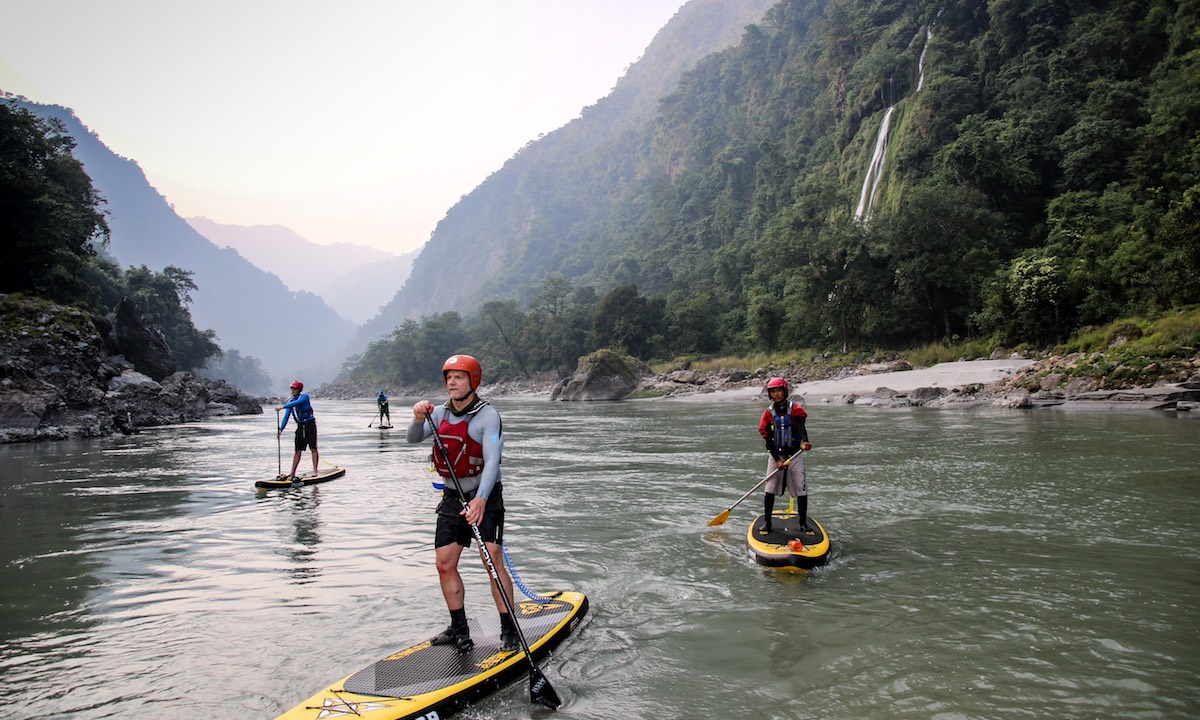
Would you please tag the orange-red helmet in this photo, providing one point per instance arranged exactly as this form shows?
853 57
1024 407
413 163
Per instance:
297 384
467 364
777 382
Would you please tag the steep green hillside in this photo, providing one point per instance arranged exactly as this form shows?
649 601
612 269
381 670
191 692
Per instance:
1040 175
556 191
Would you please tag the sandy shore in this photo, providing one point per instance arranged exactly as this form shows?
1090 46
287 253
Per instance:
946 375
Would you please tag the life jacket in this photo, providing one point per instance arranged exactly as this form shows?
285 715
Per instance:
787 435
466 455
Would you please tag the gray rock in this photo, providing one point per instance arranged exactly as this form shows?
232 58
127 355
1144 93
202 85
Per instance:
603 375
142 343
926 395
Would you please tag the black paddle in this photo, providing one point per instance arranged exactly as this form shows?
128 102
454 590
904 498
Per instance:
278 445
540 690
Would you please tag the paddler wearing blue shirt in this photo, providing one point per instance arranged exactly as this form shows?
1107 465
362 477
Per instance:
381 401
306 426
470 430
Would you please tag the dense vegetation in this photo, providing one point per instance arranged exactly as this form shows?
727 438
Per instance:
1042 176
54 232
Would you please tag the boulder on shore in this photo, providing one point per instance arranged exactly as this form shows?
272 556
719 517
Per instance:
603 375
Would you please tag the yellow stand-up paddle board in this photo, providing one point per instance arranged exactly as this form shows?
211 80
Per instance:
430 682
789 544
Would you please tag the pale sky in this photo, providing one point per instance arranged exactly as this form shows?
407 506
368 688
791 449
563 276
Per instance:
358 121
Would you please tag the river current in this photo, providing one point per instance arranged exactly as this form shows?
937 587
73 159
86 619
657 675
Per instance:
986 564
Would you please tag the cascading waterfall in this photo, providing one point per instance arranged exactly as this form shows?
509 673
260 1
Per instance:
866 197
921 62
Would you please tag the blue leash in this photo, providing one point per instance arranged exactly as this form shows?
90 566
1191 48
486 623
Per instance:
512 570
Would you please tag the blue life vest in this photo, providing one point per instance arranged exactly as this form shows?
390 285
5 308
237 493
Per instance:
787 437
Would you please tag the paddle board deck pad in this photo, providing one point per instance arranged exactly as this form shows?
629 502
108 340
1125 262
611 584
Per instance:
323 476
429 682
778 548
384 427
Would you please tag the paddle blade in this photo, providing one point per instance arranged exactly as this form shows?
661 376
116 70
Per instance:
720 519
540 691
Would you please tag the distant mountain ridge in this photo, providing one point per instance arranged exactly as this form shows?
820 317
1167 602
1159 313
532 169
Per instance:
292 334
355 280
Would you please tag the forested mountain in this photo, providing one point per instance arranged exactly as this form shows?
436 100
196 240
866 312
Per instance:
565 180
1037 171
250 310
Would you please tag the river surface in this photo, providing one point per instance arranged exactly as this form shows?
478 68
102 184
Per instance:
987 564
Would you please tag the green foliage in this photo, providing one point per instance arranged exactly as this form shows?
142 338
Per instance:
163 299
49 211
1172 334
952 350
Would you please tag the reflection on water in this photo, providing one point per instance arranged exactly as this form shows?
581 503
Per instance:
985 564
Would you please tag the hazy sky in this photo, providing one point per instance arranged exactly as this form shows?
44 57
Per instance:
358 121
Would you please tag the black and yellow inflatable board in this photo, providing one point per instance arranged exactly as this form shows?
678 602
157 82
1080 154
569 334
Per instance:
429 682
788 546
325 475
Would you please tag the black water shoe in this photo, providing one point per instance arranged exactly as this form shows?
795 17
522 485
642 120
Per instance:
460 637
509 640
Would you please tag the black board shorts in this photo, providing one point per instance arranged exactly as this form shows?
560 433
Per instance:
454 528
306 435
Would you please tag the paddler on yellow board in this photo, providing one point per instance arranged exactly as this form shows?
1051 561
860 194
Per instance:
470 430
782 426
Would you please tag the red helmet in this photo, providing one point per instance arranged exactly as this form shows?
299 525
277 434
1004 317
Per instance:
467 364
297 384
776 382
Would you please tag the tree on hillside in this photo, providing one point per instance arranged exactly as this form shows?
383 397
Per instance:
163 298
49 210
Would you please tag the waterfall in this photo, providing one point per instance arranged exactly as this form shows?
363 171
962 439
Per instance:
921 62
875 170
866 198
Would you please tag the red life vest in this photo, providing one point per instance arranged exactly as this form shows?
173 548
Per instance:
466 455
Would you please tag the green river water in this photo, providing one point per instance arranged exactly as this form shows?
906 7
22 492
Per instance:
986 564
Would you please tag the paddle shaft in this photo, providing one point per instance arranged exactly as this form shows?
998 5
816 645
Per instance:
278 444
720 519
538 684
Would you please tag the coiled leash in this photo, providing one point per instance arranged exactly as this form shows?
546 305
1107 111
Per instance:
512 570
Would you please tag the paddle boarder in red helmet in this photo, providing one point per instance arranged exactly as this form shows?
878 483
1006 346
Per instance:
782 426
471 432
306 426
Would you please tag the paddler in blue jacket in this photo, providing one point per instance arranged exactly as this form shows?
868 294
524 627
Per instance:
306 426
381 401
782 426
470 430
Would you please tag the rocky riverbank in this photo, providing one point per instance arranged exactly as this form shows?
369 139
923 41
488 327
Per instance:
65 373
1003 380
